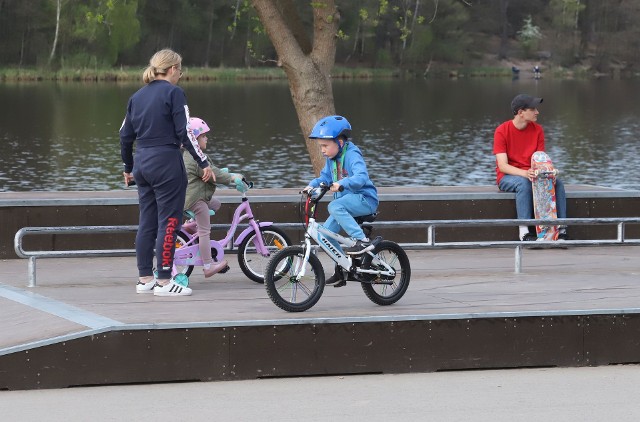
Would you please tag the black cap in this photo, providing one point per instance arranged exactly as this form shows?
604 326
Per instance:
523 101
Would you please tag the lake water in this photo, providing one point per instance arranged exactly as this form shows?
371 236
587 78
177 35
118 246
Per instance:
64 136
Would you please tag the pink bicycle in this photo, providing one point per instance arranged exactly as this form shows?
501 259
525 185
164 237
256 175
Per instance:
255 243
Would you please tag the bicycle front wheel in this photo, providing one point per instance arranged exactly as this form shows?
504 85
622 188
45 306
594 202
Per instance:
285 288
251 262
385 289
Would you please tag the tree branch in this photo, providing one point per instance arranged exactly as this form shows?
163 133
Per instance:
292 19
325 22
283 40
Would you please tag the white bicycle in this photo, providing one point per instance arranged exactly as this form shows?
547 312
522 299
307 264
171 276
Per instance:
294 276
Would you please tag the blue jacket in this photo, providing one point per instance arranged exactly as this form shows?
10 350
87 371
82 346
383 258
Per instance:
355 177
157 114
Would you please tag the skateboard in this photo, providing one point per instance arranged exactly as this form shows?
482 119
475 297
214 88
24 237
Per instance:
544 194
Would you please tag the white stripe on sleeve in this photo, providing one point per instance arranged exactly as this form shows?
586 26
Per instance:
192 138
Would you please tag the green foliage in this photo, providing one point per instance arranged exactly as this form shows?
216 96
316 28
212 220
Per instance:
422 46
389 33
529 35
565 22
383 59
444 38
102 29
565 13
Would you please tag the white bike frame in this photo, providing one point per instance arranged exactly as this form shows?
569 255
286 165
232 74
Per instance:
320 235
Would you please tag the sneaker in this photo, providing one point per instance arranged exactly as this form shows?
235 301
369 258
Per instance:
336 279
171 289
529 237
563 236
360 247
215 268
145 287
333 279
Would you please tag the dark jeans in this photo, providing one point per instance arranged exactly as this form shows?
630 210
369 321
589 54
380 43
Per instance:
524 195
162 183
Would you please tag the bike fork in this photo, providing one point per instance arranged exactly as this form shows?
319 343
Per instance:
305 259
259 241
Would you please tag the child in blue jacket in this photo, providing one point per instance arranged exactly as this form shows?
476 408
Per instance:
345 167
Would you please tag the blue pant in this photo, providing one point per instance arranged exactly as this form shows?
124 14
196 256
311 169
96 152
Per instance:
342 211
524 195
162 184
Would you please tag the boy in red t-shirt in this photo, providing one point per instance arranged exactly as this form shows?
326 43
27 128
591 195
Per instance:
514 142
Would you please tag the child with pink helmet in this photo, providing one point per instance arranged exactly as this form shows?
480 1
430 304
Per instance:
199 198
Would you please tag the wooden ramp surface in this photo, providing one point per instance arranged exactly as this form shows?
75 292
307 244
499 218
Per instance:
79 294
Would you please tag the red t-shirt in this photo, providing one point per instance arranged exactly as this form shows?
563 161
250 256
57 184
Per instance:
519 145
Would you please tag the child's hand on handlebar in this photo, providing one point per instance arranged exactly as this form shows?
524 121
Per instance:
241 183
336 187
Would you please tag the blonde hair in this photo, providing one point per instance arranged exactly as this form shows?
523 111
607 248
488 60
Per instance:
160 63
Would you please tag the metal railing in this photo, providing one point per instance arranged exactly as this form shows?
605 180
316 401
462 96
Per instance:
429 225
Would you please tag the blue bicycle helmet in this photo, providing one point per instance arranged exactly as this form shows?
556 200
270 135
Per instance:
331 127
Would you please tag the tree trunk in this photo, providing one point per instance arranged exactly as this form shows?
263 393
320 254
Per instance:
207 56
308 71
55 38
504 36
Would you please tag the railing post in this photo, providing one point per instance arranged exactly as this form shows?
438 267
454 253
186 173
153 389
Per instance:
32 271
621 232
518 259
430 235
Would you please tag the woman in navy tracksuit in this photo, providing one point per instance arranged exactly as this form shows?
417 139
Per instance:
157 118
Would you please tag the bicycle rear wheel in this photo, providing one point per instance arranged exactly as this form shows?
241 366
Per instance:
251 262
181 239
284 288
395 286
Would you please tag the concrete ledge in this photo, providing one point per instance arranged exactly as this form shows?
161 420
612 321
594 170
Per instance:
429 193
120 208
325 348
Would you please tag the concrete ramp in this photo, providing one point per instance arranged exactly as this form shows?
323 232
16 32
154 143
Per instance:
465 309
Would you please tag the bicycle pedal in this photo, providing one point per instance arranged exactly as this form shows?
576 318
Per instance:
224 270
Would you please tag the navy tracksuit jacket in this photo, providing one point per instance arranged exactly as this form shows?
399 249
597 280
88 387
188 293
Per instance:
156 120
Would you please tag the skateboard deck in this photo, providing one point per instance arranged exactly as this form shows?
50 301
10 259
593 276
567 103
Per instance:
544 194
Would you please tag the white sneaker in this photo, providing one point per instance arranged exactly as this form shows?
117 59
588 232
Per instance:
145 287
171 289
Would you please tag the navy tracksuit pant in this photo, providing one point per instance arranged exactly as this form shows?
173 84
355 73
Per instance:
162 184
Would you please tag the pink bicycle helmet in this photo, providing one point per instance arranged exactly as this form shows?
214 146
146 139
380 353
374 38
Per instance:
198 126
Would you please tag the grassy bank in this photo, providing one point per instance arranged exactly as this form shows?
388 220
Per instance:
190 74
195 74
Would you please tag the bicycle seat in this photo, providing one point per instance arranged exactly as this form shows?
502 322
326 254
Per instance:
366 218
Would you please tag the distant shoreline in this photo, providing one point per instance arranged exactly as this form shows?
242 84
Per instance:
200 74
190 74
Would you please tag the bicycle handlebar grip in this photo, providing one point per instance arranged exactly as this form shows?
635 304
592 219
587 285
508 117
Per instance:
326 187
248 183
